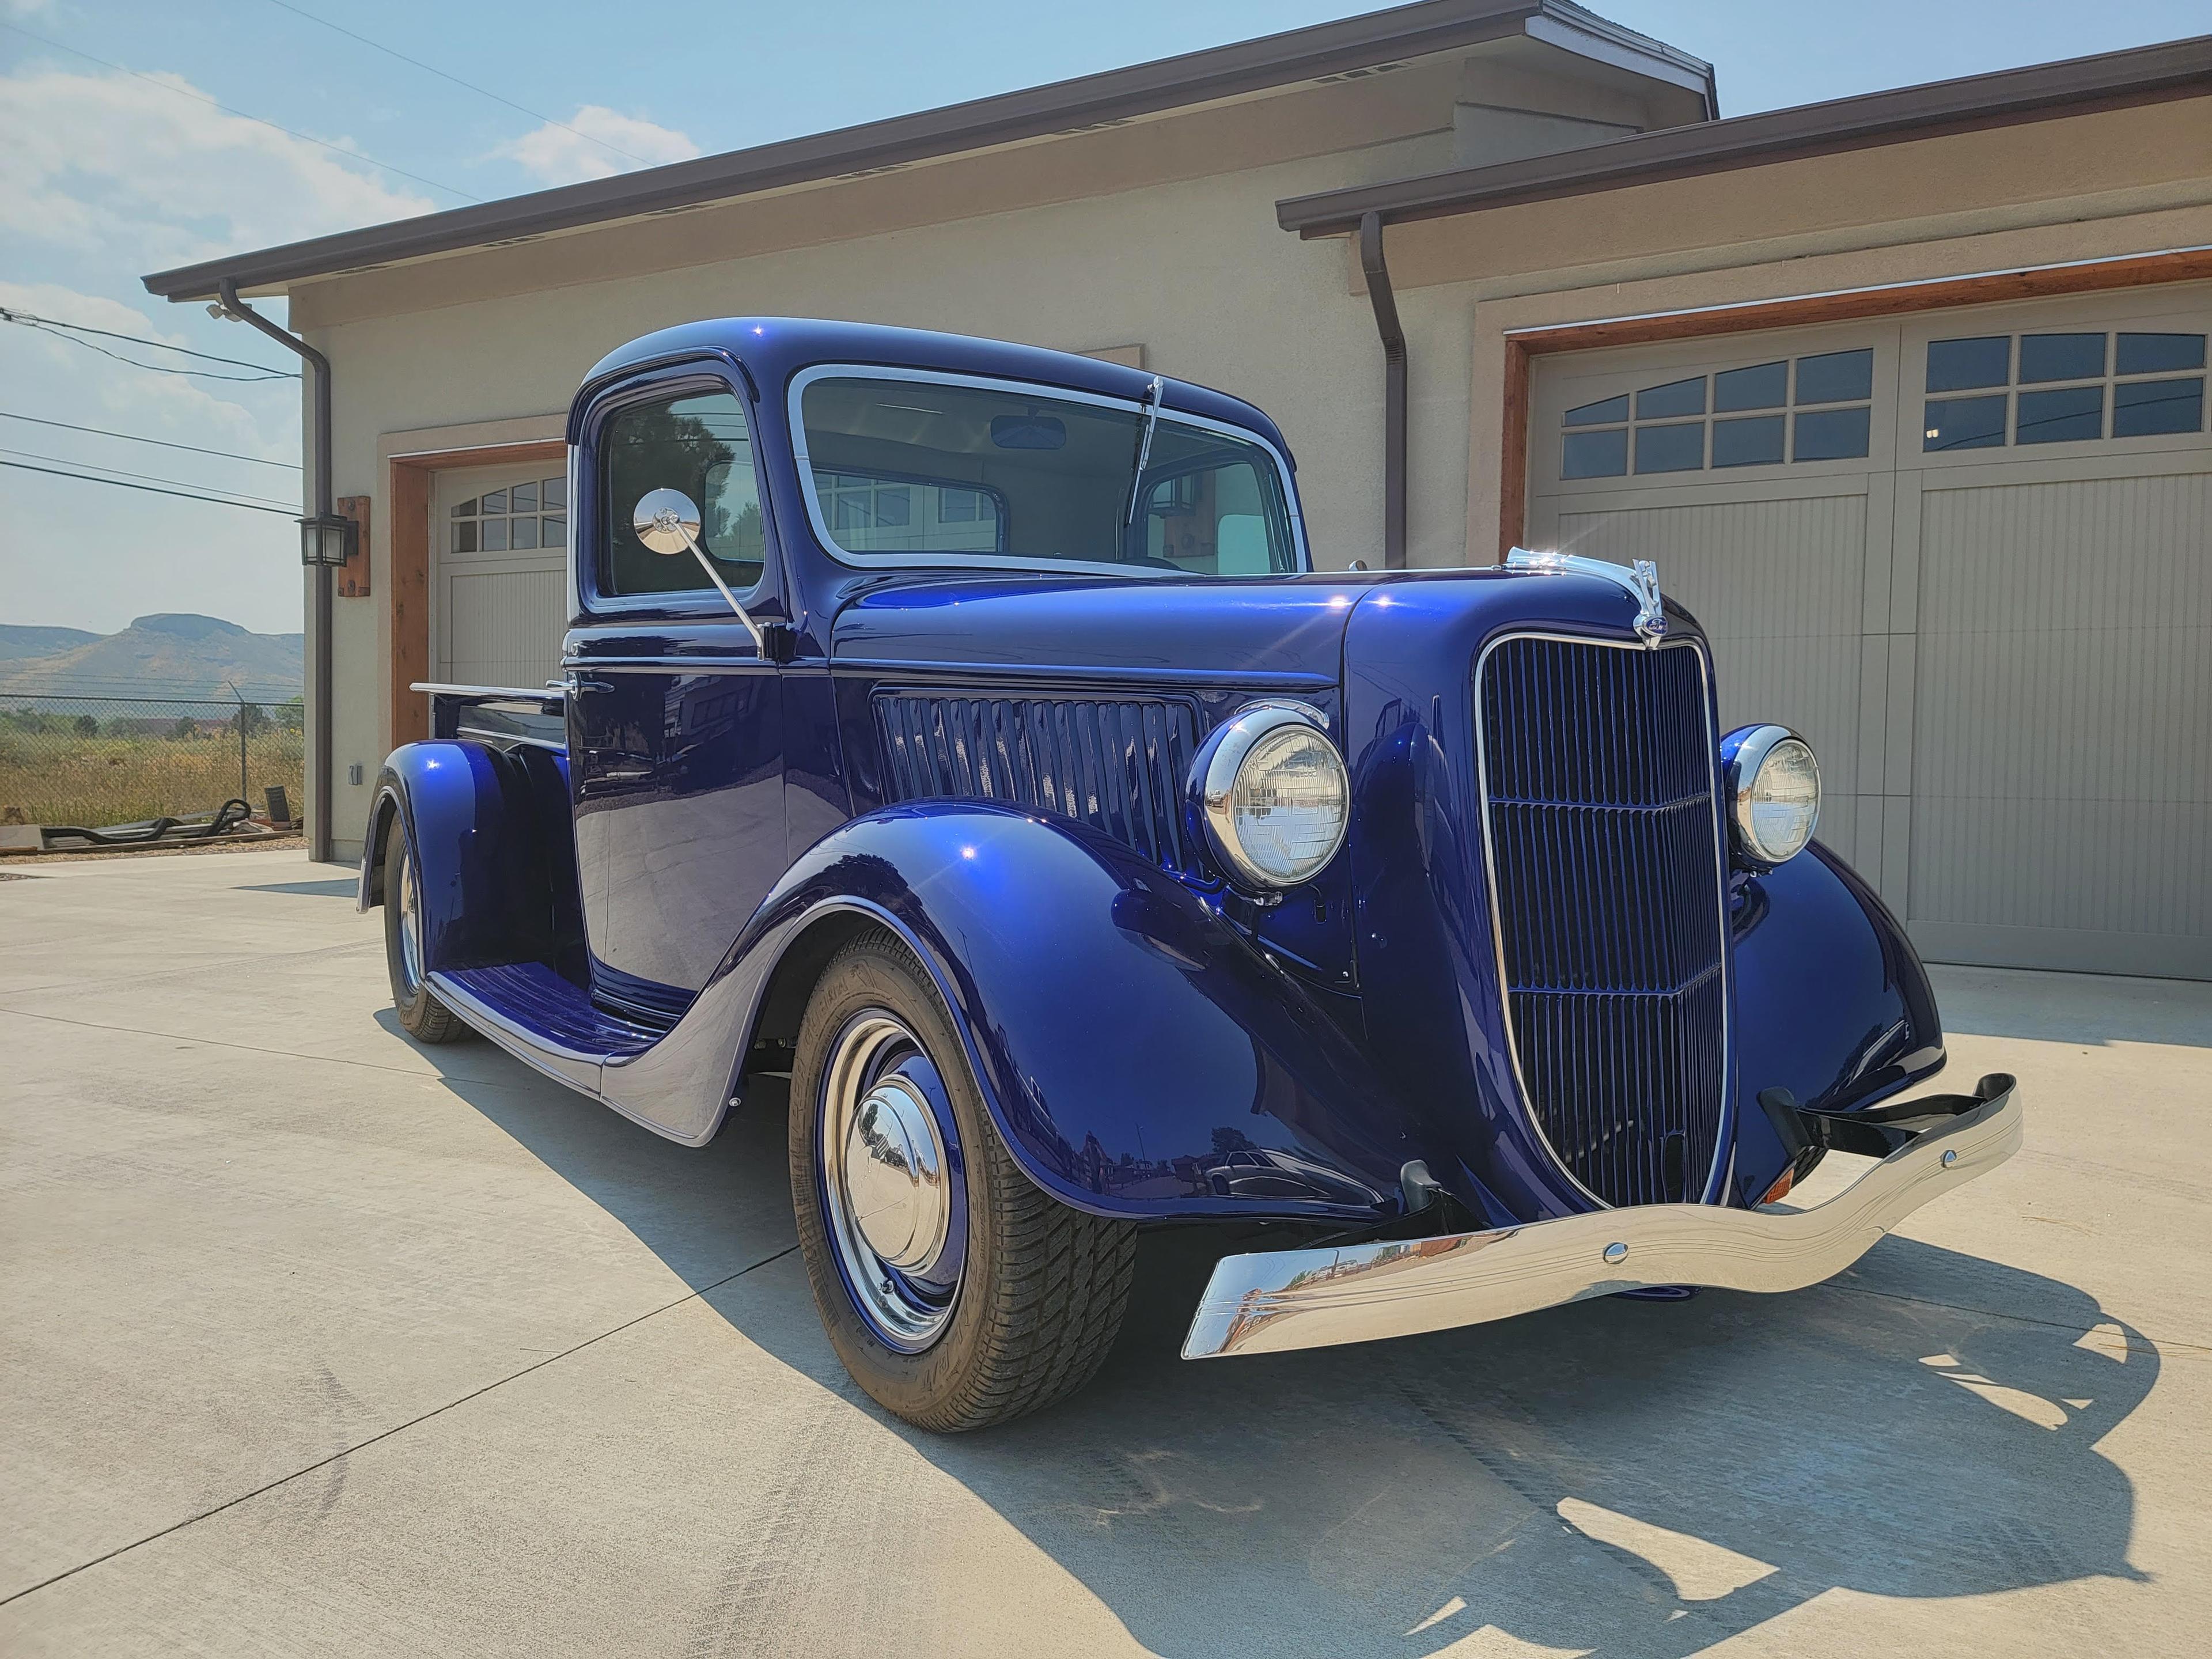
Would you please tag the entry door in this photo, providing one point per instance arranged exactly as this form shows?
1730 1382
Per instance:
500 579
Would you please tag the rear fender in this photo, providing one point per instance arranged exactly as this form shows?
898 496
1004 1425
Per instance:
1139 1055
1832 1003
477 823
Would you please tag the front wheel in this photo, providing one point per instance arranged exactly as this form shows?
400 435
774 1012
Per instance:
956 1294
420 1014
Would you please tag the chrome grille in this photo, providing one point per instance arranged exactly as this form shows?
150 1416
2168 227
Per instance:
1602 835
1117 763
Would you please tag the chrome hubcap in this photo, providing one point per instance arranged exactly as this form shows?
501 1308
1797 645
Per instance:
411 923
891 1188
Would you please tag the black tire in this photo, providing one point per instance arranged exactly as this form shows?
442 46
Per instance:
421 1016
1043 1287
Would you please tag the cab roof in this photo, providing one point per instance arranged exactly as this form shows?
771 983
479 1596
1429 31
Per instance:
773 348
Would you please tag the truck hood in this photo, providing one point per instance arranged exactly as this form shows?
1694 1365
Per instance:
1286 633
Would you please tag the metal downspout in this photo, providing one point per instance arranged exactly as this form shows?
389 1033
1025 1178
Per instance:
318 795
1394 389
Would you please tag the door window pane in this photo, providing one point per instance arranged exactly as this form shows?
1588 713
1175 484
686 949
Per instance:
1955 365
1836 376
1599 414
699 445
2066 416
2157 353
1756 441
1831 435
1595 454
1671 448
2142 409
1964 423
1765 387
2061 358
1675 398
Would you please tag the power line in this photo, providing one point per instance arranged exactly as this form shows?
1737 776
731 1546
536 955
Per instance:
190 495
143 477
151 368
7 315
377 45
132 437
199 97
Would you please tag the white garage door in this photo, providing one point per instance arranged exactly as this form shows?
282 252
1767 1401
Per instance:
1969 553
499 588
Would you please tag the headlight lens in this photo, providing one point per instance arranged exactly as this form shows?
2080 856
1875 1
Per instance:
1275 795
1775 785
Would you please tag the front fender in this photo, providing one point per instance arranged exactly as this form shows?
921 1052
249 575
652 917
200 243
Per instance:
1140 1056
474 821
1831 1002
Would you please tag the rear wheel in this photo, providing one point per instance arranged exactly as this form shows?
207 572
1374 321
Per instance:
422 1016
956 1294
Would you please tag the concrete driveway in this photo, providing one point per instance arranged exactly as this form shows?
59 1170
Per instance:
316 1342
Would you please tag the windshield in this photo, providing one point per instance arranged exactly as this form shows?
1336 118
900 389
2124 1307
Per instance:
908 471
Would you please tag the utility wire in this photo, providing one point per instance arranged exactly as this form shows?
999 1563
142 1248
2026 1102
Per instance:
144 477
152 368
7 315
188 495
132 437
377 45
199 98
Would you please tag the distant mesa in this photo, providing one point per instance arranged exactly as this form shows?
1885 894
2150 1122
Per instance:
168 655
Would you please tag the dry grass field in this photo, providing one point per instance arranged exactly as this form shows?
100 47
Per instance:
52 773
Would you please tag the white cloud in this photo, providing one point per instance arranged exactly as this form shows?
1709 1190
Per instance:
561 156
112 165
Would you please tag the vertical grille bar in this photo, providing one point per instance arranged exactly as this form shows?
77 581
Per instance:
1601 830
1117 762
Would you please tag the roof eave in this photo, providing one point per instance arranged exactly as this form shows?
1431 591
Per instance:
1242 69
2172 69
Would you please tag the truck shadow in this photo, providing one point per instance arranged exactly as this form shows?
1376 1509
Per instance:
1624 1479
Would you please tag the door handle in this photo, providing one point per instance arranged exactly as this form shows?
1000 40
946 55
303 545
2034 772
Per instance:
578 683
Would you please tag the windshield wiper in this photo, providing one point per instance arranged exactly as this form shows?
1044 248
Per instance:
1144 449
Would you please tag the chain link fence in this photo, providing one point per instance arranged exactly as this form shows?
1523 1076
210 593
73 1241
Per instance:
95 761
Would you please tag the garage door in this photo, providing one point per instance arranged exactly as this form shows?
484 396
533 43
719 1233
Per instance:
499 589
1968 555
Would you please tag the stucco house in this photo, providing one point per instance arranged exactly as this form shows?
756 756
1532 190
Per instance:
1903 393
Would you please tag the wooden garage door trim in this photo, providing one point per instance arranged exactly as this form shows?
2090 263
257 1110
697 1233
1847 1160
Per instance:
1846 304
409 711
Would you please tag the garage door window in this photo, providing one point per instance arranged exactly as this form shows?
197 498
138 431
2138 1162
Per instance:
521 517
2017 392
1815 408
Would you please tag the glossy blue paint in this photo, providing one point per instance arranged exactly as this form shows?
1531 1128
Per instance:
1832 1002
1150 1042
1124 1033
489 839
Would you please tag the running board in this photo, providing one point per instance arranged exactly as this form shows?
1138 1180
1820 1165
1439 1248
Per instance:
544 1021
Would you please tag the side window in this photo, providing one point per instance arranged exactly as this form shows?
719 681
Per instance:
699 444
1212 520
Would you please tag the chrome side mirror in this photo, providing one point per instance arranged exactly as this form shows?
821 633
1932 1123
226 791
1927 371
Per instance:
667 522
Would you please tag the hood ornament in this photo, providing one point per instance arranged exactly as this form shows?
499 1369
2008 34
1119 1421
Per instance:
1640 581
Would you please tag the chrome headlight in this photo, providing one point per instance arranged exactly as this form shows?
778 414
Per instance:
1273 796
1774 792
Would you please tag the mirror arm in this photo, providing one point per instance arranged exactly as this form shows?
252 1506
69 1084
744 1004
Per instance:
759 639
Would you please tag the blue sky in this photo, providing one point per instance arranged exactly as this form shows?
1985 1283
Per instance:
106 173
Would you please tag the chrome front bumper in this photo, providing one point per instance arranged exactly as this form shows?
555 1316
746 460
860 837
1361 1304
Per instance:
1267 1302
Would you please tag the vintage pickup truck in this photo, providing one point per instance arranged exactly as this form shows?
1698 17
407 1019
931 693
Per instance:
962 731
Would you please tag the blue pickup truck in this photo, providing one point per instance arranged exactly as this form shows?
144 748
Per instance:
962 731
